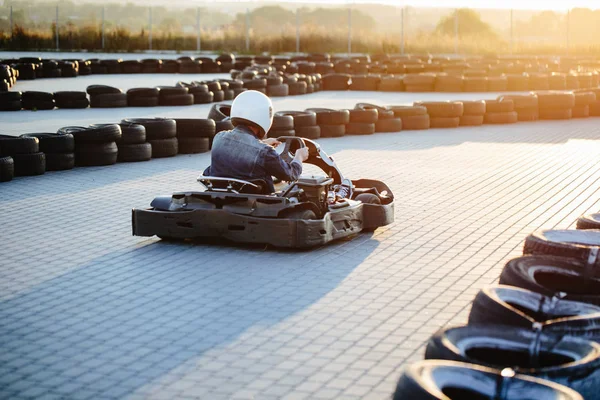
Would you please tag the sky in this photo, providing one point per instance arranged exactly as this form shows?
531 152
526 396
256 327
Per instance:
516 4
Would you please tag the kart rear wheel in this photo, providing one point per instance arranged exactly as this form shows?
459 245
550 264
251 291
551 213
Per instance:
368 198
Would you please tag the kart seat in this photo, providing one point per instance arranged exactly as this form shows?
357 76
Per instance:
220 184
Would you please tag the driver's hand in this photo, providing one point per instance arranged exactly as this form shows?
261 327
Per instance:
272 142
301 154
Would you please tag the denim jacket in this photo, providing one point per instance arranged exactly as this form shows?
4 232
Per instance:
239 154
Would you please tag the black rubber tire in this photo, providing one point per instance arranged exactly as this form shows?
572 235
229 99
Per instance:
54 142
7 169
278 90
301 118
34 96
282 122
358 128
388 125
579 244
98 134
38 105
11 145
96 154
218 95
368 198
445 380
224 125
156 128
7 97
67 96
10 105
549 275
29 164
134 152
142 102
203 97
512 306
73 104
142 92
59 161
589 221
336 82
332 130
308 132
132 134
108 100
164 147
568 361
193 145
326 116
176 100
219 112
195 128
93 90
297 88
367 116
229 94
275 133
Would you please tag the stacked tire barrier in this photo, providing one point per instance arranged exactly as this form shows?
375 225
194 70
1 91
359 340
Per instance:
331 122
161 133
58 150
443 114
541 320
102 96
163 137
195 135
413 117
132 145
555 105
94 145
473 113
283 125
25 154
304 122
500 112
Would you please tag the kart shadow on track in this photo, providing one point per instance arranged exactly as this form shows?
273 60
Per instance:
127 320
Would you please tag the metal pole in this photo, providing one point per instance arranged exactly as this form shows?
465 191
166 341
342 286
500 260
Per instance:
247 29
568 28
57 43
511 31
198 29
297 31
349 31
456 32
402 31
150 28
103 17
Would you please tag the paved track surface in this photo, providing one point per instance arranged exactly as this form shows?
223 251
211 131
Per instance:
89 311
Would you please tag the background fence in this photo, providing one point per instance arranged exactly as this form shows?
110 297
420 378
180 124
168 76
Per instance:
282 29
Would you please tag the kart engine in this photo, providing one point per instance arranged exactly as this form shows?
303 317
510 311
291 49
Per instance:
316 189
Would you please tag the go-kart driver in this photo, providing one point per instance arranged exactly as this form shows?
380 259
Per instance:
245 153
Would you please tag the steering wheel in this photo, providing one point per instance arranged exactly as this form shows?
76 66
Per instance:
292 143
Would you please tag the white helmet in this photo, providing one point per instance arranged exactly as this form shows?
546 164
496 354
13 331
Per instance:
254 107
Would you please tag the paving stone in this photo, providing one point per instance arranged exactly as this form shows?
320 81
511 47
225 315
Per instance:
89 311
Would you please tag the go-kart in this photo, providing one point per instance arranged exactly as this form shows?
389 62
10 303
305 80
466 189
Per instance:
304 213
